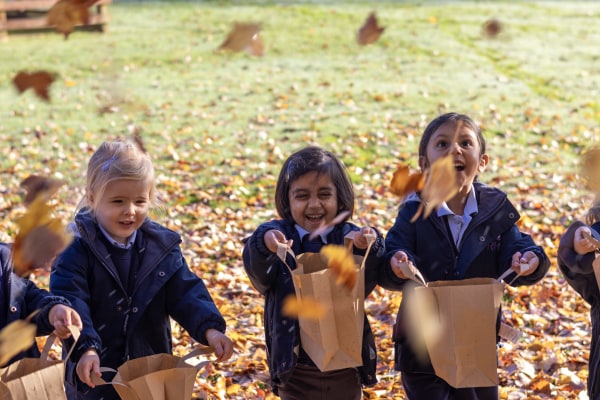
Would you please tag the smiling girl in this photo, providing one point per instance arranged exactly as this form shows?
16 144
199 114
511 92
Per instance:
474 234
312 190
126 276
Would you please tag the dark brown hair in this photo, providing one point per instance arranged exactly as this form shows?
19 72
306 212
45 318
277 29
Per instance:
313 159
454 118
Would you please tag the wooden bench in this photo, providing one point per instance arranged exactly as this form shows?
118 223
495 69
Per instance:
30 15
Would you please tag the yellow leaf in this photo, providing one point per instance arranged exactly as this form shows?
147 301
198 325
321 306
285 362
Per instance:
306 308
341 261
15 338
39 238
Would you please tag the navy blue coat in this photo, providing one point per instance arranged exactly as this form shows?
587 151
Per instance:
21 297
122 326
488 245
272 279
579 273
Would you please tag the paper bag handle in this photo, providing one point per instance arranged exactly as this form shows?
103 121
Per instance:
98 380
410 271
198 351
52 338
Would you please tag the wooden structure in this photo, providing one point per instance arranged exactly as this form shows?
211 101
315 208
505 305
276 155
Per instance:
30 15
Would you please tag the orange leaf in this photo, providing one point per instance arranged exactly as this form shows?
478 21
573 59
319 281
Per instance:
341 261
590 168
244 37
306 308
440 186
403 183
65 14
370 31
39 81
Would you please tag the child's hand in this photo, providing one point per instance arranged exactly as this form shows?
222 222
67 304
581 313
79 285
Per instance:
399 258
361 239
581 244
272 239
61 317
88 365
526 264
222 344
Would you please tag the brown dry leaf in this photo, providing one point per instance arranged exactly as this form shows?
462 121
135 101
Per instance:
341 261
370 31
403 183
341 217
440 186
491 28
39 81
40 185
64 15
15 338
244 36
39 239
306 308
590 168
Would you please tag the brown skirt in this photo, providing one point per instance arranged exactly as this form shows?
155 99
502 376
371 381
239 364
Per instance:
307 382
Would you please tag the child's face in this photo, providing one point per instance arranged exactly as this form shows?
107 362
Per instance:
313 200
122 208
461 142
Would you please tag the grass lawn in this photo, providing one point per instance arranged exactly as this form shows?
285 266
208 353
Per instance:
219 125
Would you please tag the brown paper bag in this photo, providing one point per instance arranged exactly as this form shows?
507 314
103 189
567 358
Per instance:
35 378
335 340
157 377
458 323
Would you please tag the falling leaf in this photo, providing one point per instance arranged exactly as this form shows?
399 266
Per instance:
39 81
590 168
306 308
370 31
341 261
64 15
39 238
403 183
341 217
440 186
244 36
492 28
39 185
16 337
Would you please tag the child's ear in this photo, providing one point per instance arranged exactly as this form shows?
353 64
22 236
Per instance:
483 162
423 163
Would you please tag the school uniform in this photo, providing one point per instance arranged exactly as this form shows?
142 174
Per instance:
125 311
286 358
480 243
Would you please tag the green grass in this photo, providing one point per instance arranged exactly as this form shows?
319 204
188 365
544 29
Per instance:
156 71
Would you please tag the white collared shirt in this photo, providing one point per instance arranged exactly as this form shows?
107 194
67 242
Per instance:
303 232
130 241
458 223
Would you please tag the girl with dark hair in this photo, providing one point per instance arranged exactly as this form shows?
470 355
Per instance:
312 190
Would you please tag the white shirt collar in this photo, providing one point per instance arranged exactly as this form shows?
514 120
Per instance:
303 232
470 207
130 241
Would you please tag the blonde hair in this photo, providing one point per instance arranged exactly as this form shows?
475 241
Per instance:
115 160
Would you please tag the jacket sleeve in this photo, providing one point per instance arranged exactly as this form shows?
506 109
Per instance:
516 241
260 264
401 237
190 303
43 301
578 268
69 279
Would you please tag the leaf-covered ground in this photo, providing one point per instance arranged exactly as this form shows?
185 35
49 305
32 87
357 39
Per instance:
220 125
